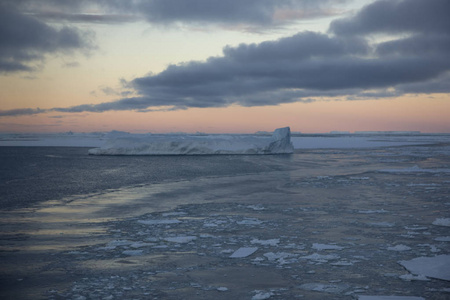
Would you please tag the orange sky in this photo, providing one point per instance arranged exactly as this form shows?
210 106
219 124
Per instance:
409 113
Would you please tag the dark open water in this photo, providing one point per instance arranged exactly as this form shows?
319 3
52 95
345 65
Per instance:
29 175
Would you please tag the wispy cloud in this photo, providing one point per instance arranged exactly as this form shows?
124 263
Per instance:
250 12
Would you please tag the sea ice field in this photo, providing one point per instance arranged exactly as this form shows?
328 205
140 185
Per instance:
343 217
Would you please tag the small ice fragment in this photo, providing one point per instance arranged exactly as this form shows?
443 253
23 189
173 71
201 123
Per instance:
326 288
399 248
175 213
256 207
222 289
416 227
326 247
382 224
411 277
116 243
261 295
139 245
243 252
181 239
271 242
132 252
361 297
250 221
342 263
442 239
159 222
442 222
319 257
434 267
279 255
370 211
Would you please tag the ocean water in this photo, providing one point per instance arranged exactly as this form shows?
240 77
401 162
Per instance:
29 175
329 223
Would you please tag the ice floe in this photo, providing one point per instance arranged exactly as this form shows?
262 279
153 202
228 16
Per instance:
159 222
243 252
320 258
415 169
442 222
326 288
399 248
180 239
271 242
326 247
262 295
434 267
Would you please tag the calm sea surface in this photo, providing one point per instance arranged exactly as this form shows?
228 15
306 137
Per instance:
29 175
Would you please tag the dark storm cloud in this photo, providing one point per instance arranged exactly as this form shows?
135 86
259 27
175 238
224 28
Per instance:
394 16
346 64
24 41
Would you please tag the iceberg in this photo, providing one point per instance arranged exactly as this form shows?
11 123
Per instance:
278 143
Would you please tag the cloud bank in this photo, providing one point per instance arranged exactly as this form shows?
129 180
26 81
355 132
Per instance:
24 41
412 57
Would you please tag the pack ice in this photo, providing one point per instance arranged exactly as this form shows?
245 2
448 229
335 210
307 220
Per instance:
278 143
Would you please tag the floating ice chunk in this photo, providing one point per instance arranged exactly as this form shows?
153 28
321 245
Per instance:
327 288
342 263
320 258
249 221
116 243
382 224
243 252
411 277
361 297
271 242
399 248
276 256
222 289
278 143
139 245
416 227
181 239
434 267
415 169
326 247
159 222
256 207
377 211
176 213
442 222
442 239
261 295
133 252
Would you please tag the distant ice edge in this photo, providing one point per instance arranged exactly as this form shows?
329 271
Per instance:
278 143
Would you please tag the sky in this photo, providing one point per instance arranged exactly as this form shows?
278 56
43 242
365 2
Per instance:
235 66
